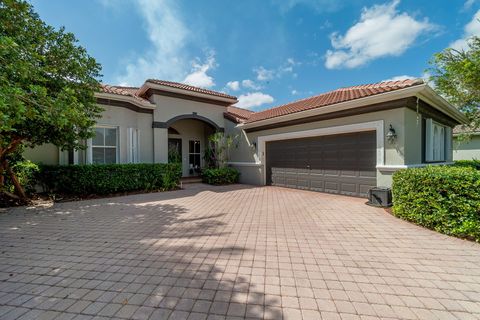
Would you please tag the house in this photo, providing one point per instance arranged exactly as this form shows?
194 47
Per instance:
345 141
466 149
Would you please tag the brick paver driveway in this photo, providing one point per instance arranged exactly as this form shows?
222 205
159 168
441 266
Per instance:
238 251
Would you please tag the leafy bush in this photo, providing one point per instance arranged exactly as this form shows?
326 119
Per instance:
26 172
468 163
220 176
110 178
443 198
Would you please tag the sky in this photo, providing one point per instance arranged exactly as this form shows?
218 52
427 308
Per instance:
265 52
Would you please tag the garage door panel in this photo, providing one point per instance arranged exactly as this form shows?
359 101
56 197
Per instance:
331 173
332 186
367 174
349 173
343 164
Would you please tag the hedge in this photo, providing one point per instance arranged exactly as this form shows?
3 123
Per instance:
220 176
442 198
468 163
110 178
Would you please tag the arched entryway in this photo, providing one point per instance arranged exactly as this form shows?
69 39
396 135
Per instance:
187 142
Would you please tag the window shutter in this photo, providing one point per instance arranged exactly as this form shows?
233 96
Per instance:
89 151
429 140
129 145
449 148
132 145
137 146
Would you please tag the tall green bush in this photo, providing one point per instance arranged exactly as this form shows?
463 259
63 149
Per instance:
443 198
110 178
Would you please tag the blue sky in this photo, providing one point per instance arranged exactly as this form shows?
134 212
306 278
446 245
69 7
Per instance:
266 52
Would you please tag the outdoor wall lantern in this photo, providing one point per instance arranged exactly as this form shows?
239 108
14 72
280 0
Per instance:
391 135
254 146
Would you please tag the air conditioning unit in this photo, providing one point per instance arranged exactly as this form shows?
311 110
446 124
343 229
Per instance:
380 197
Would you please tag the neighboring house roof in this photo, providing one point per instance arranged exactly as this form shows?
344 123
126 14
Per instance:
238 115
187 87
334 97
463 129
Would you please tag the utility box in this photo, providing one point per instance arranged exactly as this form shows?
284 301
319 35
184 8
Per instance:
380 197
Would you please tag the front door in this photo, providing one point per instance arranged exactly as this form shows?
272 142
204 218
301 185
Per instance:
194 157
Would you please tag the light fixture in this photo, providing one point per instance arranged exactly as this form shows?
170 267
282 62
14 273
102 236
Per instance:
391 135
254 145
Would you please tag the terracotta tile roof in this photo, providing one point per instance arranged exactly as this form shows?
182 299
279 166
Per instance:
123 91
183 86
238 115
333 97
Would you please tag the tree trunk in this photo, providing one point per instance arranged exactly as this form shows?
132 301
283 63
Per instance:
2 178
18 187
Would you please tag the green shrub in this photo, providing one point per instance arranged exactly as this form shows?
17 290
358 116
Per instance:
443 198
26 172
468 163
110 178
220 176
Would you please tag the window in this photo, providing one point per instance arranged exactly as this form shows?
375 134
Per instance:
436 140
104 145
194 154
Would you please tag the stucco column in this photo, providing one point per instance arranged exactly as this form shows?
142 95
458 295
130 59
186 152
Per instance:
160 145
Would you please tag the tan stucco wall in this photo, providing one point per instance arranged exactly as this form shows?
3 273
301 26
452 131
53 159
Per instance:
45 154
413 137
125 118
112 116
406 150
467 150
394 153
169 107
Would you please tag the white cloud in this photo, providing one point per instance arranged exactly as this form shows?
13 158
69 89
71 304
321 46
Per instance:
471 29
253 99
198 76
168 36
249 84
294 92
425 76
468 4
233 85
382 31
264 74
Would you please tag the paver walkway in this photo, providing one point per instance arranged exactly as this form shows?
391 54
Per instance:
237 251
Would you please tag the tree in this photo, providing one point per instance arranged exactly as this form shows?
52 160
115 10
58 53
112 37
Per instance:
47 86
217 153
456 75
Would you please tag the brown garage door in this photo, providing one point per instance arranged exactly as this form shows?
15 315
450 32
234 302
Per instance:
343 163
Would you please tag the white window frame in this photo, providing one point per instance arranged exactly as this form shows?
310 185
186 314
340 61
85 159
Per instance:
133 143
90 145
436 147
